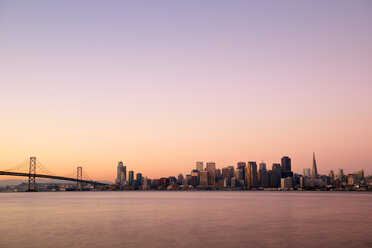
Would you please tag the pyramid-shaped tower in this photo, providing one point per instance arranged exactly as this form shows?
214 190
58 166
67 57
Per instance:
314 170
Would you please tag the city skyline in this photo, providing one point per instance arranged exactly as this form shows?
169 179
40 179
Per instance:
249 171
247 176
160 85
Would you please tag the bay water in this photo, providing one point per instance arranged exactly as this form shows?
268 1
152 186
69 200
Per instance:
186 219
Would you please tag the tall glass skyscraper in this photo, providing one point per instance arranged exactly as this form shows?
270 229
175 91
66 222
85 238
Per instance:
199 166
121 173
252 174
314 170
130 177
211 169
286 164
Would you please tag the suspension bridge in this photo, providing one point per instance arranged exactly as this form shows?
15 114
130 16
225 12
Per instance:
29 167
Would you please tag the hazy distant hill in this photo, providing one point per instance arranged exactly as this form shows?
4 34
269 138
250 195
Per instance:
11 182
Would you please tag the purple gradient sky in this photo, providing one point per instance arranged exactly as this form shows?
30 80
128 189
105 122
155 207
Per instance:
162 84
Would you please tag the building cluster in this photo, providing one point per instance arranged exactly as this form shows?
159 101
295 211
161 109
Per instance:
47 187
246 175
124 182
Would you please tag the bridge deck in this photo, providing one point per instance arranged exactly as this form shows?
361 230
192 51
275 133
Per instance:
20 174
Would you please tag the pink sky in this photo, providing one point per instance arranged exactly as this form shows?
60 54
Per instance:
163 85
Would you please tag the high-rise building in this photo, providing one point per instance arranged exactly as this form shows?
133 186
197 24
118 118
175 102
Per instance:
146 183
218 175
307 172
331 176
130 178
242 166
275 175
263 177
163 182
121 173
286 164
118 170
185 182
188 178
262 166
199 166
226 182
297 180
286 167
233 182
350 179
172 180
226 173
340 174
239 174
211 168
231 171
179 178
252 174
196 173
287 183
139 179
193 180
359 174
155 183
203 179
124 175
314 170
276 167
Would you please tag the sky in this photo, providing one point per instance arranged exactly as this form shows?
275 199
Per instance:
163 84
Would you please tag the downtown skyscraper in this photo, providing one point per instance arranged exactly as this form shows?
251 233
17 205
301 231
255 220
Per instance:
314 170
252 174
199 166
211 169
121 173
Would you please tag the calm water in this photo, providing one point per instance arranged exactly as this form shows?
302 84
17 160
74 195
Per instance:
186 219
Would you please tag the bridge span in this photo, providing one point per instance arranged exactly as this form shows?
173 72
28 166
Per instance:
21 174
33 164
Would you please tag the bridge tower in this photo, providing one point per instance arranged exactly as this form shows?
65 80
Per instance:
32 174
79 177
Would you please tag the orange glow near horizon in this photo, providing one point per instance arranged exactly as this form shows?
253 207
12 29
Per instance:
161 88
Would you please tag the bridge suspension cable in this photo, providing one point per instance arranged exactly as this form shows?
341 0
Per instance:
86 176
71 174
44 169
24 164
